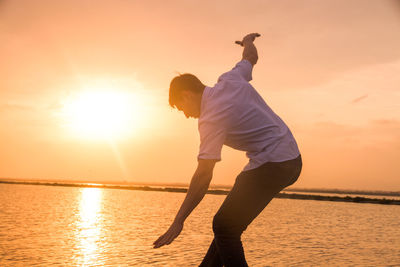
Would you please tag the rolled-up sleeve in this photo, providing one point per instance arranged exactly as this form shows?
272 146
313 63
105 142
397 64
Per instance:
242 70
212 138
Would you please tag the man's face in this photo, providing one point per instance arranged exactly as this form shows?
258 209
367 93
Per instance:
189 104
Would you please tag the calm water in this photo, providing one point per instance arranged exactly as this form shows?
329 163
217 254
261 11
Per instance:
51 225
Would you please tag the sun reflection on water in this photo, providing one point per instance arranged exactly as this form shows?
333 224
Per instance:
89 225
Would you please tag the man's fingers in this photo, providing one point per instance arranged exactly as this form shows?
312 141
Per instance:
159 242
165 239
250 36
170 239
159 239
239 43
254 34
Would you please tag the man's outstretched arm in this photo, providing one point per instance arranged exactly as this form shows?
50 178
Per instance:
249 50
197 189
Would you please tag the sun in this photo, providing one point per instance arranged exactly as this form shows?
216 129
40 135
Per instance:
100 114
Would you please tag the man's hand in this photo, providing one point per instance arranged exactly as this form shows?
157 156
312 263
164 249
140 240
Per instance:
249 50
248 38
197 189
169 236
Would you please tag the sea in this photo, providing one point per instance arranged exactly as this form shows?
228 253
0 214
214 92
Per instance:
78 226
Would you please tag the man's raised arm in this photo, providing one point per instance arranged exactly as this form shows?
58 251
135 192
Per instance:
249 51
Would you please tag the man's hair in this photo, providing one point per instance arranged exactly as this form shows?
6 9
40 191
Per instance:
183 82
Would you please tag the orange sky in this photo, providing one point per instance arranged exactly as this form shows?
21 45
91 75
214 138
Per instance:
330 69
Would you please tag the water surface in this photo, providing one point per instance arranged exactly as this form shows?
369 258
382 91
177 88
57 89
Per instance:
54 225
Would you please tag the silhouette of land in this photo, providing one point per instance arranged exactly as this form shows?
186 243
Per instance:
224 190
341 191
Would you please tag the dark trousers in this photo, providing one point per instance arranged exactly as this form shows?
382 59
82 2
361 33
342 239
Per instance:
251 193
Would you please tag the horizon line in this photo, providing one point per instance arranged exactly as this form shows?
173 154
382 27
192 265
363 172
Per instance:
347 198
180 184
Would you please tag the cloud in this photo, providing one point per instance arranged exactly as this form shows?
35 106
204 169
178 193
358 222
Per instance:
388 127
358 99
304 42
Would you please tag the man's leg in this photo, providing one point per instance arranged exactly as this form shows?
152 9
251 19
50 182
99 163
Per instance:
252 191
212 258
240 208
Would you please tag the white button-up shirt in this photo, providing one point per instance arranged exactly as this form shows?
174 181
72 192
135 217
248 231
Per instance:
234 114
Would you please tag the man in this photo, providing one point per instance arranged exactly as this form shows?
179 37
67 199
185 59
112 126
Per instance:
234 114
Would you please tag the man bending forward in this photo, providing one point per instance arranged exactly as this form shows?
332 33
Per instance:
234 114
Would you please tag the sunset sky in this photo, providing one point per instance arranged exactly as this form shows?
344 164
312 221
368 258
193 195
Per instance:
330 69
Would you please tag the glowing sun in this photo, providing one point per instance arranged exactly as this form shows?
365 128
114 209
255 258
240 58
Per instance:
102 114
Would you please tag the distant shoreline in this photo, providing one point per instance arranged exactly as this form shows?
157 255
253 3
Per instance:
219 192
381 193
341 191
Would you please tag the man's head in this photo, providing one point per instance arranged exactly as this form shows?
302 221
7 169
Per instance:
185 92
